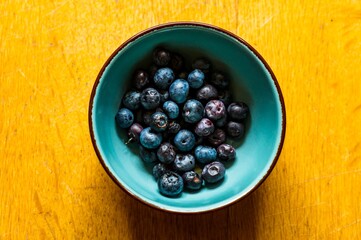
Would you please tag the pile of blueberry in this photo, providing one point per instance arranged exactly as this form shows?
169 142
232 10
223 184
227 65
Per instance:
181 120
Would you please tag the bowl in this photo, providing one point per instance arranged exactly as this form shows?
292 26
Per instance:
252 81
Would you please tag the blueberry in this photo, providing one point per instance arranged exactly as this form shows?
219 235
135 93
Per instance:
124 118
150 98
131 100
183 163
176 62
166 153
150 139
219 80
192 180
215 109
217 137
195 78
204 127
238 111
207 92
205 154
202 64
174 127
141 79
163 78
184 140
226 152
159 121
213 172
170 184
158 170
222 121
161 57
147 156
235 129
134 132
225 96
171 109
179 90
193 111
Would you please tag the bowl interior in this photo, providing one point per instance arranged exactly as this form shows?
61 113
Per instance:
251 82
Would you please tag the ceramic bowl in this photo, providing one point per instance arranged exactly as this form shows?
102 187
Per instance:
252 81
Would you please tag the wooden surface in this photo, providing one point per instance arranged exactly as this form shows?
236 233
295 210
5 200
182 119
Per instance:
52 185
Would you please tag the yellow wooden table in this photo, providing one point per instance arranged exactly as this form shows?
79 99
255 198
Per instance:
52 185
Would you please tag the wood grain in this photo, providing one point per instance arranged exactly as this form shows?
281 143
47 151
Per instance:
51 183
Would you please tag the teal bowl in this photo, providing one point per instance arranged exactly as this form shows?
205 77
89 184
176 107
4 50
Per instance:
252 81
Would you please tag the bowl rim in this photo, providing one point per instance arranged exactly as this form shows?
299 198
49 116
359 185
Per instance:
193 24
